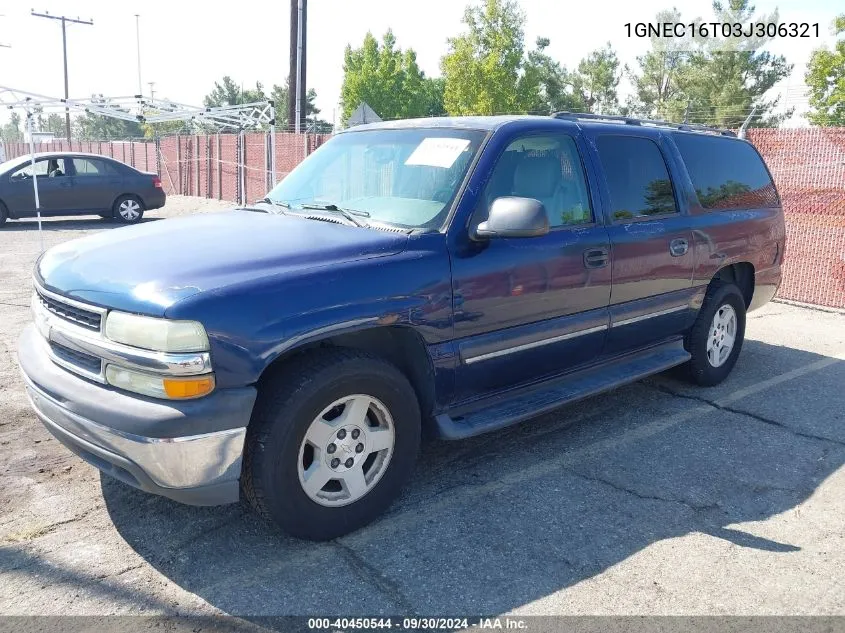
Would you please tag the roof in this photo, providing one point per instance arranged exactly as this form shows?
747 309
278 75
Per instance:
465 122
587 122
59 154
23 158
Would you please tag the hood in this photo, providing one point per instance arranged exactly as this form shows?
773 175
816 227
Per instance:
149 267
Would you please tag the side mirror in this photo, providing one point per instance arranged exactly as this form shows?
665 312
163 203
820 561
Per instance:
514 217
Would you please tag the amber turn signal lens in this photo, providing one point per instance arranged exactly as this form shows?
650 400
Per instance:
178 388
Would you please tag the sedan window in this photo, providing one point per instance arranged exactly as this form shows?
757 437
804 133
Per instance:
89 167
44 167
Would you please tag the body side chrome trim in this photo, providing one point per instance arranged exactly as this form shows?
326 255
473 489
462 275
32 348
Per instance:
532 345
649 315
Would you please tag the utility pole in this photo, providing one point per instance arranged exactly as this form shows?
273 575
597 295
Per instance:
297 93
64 20
138 44
152 91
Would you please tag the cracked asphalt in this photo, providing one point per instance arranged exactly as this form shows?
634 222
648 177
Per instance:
656 498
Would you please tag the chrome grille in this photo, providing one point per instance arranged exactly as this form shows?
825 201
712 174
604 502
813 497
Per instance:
84 318
86 362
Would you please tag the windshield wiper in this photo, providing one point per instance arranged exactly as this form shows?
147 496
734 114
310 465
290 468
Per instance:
349 214
275 203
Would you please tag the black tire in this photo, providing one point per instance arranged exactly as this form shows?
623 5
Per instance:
130 218
699 370
289 399
4 214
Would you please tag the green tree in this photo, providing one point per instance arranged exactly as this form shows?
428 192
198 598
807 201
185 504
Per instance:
55 124
388 79
553 87
434 89
97 127
599 79
659 80
484 68
279 97
227 92
11 132
825 78
726 80
166 128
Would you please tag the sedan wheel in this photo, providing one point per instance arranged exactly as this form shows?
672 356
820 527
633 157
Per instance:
128 209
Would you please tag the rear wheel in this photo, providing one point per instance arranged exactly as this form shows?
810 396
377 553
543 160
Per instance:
716 338
128 209
333 438
4 214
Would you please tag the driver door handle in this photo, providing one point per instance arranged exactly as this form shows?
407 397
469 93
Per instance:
678 247
596 258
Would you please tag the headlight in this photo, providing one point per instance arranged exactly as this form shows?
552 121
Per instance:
160 335
160 386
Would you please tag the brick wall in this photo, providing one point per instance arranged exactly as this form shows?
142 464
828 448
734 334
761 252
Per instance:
808 166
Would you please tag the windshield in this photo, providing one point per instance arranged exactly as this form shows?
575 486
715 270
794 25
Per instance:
13 162
407 177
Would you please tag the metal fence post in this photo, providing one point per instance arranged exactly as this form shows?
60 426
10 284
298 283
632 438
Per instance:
207 166
179 162
219 170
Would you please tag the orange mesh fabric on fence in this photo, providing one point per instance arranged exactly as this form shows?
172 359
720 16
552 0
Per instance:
808 166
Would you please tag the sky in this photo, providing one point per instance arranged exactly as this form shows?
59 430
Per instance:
186 46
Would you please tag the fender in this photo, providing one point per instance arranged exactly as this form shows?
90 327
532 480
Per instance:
250 327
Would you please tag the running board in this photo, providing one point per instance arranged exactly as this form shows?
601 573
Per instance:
519 405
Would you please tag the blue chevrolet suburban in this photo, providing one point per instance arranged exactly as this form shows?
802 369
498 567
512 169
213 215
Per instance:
452 275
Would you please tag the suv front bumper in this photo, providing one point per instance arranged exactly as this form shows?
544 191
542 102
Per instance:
189 451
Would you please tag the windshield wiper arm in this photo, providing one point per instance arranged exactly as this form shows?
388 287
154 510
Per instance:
275 203
349 214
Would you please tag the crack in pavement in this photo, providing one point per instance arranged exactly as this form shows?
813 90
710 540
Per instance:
698 508
755 416
374 576
23 536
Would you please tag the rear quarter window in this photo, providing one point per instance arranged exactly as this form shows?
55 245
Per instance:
726 173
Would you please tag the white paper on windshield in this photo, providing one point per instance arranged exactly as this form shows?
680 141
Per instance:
438 152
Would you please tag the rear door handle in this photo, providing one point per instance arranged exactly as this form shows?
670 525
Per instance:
596 258
678 247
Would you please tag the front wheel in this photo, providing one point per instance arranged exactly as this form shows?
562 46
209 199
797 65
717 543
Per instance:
716 338
128 209
333 438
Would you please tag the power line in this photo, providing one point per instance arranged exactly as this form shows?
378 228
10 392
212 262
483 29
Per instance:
64 20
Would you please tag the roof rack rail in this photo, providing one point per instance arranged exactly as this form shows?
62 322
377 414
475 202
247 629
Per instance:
612 118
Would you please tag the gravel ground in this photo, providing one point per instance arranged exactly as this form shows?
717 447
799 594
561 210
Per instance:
657 498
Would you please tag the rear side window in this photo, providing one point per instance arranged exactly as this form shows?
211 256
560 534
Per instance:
91 167
726 173
636 176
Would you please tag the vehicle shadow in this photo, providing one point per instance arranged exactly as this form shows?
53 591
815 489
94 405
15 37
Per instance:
67 224
495 522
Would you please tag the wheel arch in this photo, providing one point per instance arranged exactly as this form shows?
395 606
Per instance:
742 275
129 194
401 346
